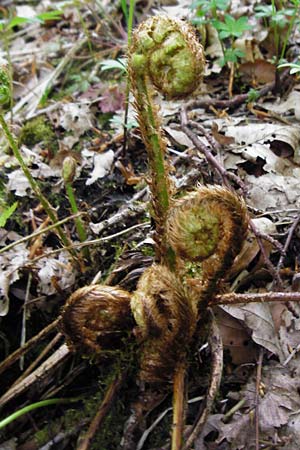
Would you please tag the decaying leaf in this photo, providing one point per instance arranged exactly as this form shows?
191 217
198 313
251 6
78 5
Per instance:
102 165
258 318
265 134
179 136
11 263
258 72
279 403
236 338
76 117
283 106
55 272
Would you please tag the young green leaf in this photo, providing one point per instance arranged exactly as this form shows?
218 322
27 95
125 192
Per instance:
295 68
231 55
231 27
264 11
110 64
253 95
16 21
208 6
50 15
5 215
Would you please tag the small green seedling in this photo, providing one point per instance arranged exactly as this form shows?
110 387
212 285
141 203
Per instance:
228 27
16 21
295 68
111 64
282 21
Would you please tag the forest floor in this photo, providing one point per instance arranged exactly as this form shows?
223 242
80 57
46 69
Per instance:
241 129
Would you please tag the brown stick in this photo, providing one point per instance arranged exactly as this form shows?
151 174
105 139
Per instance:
47 367
237 100
41 356
104 408
24 349
233 299
178 407
216 346
258 380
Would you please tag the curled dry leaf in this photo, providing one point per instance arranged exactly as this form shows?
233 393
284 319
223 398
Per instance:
257 72
284 106
236 338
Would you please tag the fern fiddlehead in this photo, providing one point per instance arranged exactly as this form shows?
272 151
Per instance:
96 319
164 54
208 226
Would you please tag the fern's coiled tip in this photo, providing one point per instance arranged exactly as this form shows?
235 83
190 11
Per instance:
167 50
97 319
210 222
166 319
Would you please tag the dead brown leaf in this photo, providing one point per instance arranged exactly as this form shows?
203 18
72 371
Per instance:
258 72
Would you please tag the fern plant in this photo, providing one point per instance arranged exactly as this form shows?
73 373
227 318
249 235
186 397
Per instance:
205 228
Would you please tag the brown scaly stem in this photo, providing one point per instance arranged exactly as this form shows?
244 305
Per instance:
164 53
207 227
216 347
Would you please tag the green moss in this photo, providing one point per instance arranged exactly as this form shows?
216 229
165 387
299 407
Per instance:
38 130
148 250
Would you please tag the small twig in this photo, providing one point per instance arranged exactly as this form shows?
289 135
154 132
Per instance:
233 298
212 142
287 243
257 386
26 347
92 241
233 410
268 238
41 355
24 317
291 356
131 210
224 174
39 232
103 410
237 100
39 374
146 433
216 346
